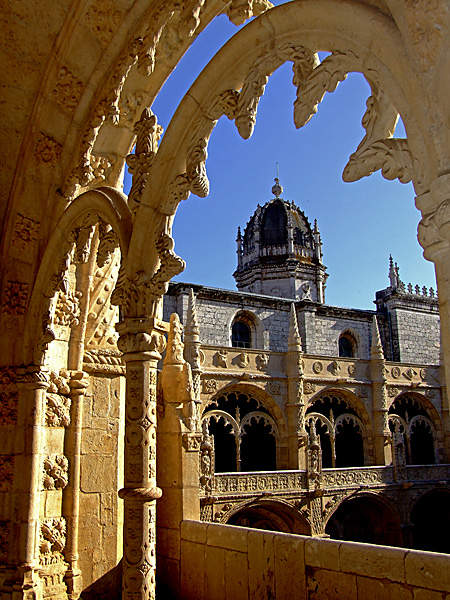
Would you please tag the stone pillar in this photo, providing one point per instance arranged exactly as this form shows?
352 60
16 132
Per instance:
141 341
383 449
178 446
32 383
71 502
295 406
434 237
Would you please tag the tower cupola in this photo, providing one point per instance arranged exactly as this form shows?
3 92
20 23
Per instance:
280 254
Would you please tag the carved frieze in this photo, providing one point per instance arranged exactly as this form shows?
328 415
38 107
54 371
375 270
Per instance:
410 373
395 372
47 149
55 473
68 90
15 297
6 473
105 19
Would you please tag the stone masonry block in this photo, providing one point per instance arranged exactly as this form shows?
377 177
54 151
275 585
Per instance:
236 575
169 542
227 536
382 589
322 553
214 573
193 571
372 561
289 553
330 585
428 570
261 567
421 594
97 474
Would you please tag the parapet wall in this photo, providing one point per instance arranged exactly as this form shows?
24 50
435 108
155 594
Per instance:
222 562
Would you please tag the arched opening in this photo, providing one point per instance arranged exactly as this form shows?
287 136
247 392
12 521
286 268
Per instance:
430 517
410 420
240 335
244 433
339 429
367 520
272 516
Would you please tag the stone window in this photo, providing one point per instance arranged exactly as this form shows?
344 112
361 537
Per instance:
347 346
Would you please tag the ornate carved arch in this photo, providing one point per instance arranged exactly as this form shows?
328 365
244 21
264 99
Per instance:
72 235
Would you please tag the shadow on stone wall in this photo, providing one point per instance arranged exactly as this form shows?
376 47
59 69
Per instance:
108 587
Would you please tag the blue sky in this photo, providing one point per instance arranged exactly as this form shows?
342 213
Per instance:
360 223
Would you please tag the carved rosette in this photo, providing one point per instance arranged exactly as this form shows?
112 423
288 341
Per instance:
56 472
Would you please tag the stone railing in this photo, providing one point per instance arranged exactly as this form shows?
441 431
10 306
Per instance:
250 484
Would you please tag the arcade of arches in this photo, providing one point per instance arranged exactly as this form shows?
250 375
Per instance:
84 270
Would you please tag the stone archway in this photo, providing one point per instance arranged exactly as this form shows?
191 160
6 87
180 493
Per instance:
273 515
431 521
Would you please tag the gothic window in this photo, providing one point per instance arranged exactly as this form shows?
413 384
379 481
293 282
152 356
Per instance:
347 346
244 434
412 431
339 430
240 335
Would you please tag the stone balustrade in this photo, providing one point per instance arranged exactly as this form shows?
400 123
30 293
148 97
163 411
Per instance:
250 484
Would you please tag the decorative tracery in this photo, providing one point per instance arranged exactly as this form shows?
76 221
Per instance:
244 418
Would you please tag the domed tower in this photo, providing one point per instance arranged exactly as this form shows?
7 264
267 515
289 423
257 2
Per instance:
280 254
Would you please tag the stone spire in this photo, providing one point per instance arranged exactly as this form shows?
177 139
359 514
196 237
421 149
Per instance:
191 327
192 344
239 246
393 273
294 340
376 349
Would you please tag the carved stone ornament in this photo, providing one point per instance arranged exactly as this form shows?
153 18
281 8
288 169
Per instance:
55 475
431 394
410 373
423 374
104 18
210 386
6 473
243 360
427 21
262 361
363 392
53 537
24 241
351 370
4 539
57 413
309 387
239 11
317 367
8 407
395 372
47 150
334 368
392 392
147 133
141 295
68 90
15 297
221 358
67 311
274 387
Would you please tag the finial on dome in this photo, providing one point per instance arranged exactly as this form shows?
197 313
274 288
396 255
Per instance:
277 189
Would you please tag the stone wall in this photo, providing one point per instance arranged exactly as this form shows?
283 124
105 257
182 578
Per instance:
408 328
222 562
101 520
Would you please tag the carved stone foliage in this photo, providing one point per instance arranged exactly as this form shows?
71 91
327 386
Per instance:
129 105
8 407
206 463
67 311
15 297
56 472
274 387
52 538
68 90
238 11
141 296
57 413
427 22
24 241
147 133
104 18
47 149
6 473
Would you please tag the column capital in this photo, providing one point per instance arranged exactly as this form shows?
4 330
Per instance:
434 227
142 338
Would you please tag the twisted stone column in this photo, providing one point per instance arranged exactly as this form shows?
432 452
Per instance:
383 449
141 341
